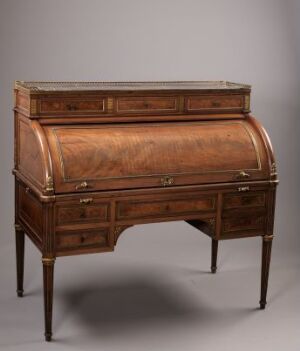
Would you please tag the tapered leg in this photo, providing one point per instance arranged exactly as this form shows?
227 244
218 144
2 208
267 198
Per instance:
265 266
48 270
19 259
214 255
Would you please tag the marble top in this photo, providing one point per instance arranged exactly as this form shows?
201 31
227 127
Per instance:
34 86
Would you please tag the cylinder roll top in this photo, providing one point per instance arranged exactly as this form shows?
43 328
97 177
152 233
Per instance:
106 157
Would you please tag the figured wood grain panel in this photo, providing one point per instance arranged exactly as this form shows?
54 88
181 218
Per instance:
155 149
29 161
244 222
147 104
82 214
144 209
31 212
206 102
82 239
244 200
22 101
72 105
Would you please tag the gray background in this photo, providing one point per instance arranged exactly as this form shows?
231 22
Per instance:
154 292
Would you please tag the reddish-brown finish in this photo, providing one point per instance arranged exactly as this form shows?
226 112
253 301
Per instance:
188 151
61 106
122 156
211 102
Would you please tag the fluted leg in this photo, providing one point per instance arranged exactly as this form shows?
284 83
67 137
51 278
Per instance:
48 270
266 258
214 255
19 258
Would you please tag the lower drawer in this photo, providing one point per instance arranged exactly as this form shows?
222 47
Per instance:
84 239
243 225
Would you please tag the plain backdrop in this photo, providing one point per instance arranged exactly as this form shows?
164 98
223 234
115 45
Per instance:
153 293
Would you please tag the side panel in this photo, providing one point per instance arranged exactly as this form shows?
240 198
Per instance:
29 214
29 159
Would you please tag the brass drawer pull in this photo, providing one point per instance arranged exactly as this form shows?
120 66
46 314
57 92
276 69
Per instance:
243 175
86 201
243 189
167 180
82 185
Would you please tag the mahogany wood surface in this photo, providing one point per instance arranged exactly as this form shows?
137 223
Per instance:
95 158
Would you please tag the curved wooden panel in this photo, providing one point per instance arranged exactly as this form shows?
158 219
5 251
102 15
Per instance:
29 159
162 154
33 158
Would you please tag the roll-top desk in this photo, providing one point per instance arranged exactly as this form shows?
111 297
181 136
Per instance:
94 158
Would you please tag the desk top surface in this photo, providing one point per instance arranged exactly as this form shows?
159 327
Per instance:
189 86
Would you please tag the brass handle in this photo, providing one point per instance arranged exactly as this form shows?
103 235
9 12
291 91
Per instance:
71 107
243 175
243 189
167 180
82 185
86 201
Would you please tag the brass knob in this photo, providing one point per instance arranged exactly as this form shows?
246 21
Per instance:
82 185
243 189
167 180
86 201
243 175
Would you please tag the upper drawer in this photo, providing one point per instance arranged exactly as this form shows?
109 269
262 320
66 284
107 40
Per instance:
147 104
245 200
149 209
72 106
83 210
214 103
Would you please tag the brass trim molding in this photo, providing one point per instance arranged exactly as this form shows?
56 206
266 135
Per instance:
247 102
268 237
48 261
49 184
18 227
273 170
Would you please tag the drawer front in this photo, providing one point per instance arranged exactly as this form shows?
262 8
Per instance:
255 199
147 104
96 105
199 103
98 238
243 225
146 209
77 213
